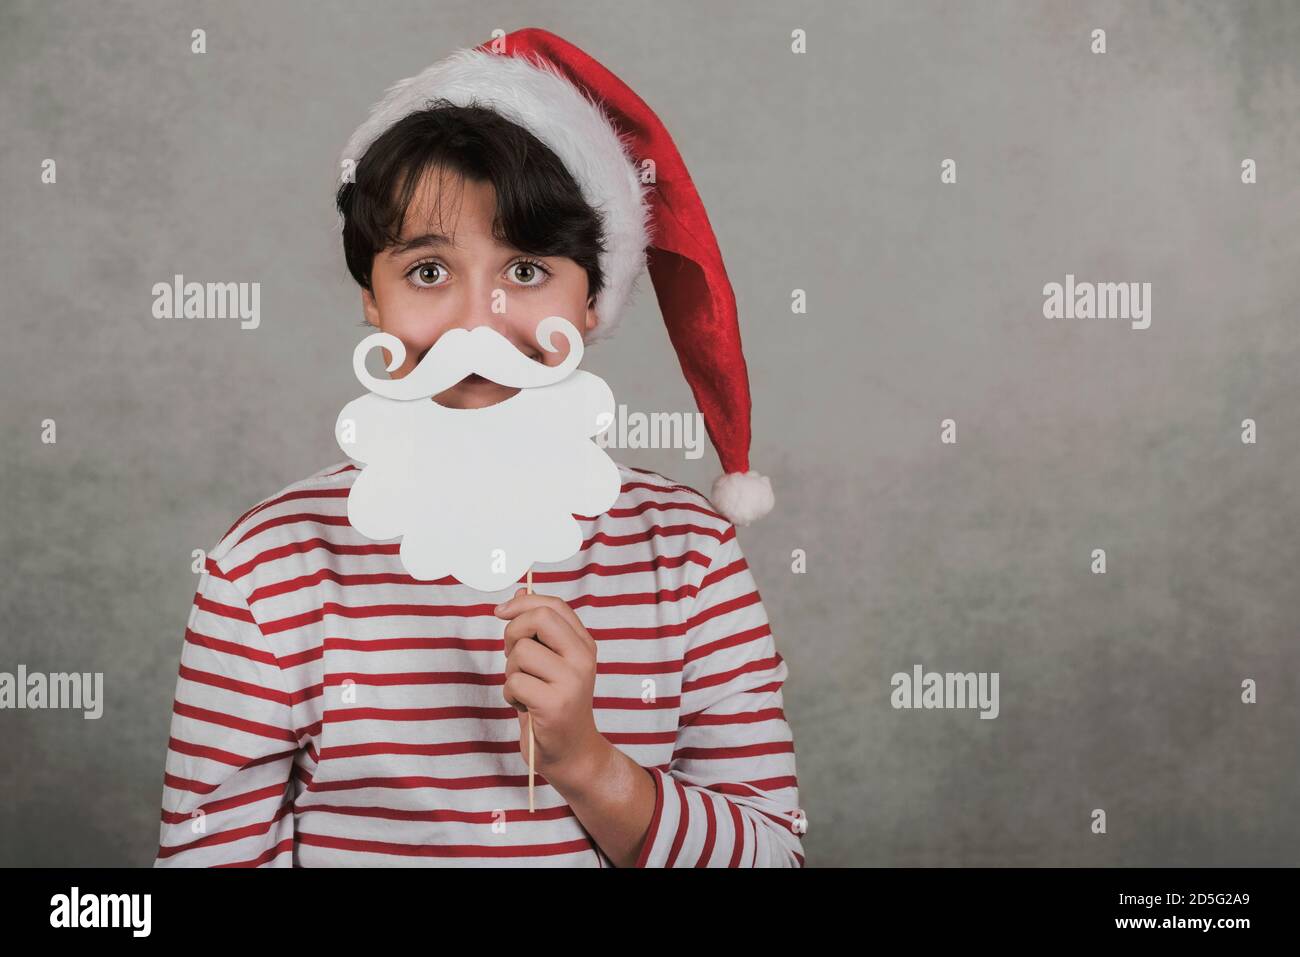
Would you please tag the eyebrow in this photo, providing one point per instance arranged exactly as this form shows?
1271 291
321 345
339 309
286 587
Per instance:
419 242
433 240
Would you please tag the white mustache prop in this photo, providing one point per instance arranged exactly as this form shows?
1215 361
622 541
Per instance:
462 352
480 494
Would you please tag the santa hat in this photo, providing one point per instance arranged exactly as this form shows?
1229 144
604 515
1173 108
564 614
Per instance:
602 131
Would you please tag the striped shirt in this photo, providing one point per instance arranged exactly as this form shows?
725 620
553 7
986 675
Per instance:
333 711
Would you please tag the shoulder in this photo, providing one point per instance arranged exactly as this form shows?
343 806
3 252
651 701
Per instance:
653 503
321 498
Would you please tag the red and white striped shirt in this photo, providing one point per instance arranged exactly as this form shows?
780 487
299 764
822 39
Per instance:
333 711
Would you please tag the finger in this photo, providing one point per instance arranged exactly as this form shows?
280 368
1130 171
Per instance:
525 692
532 658
547 627
511 699
508 602
518 604
551 629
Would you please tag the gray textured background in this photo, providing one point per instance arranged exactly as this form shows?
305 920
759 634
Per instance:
820 172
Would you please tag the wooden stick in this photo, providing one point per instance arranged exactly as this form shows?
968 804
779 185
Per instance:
532 763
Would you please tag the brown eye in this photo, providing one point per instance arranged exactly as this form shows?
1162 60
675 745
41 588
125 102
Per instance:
427 274
527 273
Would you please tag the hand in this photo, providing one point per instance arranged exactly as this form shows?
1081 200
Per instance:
551 674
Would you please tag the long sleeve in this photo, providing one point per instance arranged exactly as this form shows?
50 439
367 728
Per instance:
230 755
730 797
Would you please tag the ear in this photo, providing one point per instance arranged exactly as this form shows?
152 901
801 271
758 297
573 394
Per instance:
590 322
370 308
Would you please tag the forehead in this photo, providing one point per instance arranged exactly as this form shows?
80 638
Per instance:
448 204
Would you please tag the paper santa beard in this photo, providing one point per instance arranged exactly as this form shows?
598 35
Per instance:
479 494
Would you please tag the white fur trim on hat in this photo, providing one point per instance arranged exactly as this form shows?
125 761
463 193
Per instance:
743 497
533 94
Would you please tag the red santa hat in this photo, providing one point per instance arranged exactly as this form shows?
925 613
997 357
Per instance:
602 132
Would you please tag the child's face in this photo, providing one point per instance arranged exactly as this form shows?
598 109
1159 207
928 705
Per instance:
449 271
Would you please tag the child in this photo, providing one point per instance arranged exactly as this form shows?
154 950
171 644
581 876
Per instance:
333 711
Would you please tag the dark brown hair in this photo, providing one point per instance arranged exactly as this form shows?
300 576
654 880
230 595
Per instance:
540 208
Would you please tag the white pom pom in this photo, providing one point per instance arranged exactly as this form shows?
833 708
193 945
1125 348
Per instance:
743 497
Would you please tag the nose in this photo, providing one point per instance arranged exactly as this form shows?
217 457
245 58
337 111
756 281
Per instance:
484 302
